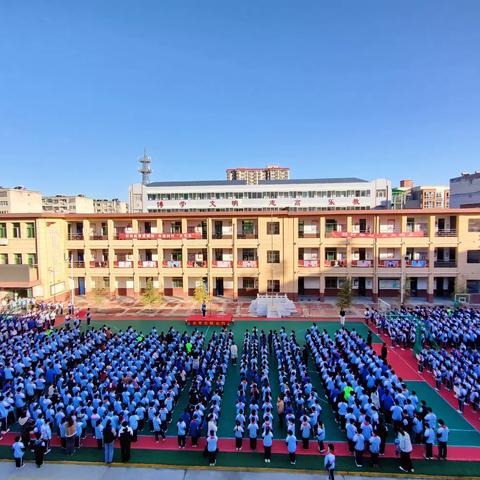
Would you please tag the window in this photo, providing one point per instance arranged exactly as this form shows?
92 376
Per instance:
330 282
273 285
273 256
3 230
3 259
248 282
473 286
273 228
31 259
17 258
177 282
16 230
474 224
30 230
473 256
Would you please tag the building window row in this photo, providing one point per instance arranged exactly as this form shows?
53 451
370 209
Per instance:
261 195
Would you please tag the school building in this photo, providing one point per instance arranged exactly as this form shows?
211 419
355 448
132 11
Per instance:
431 253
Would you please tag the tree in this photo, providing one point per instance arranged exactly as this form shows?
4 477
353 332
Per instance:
344 296
151 295
200 293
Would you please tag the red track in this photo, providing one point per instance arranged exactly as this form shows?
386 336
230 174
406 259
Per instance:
228 445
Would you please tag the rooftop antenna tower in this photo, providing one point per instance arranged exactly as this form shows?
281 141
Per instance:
145 169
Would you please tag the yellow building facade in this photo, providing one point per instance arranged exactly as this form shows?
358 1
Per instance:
425 254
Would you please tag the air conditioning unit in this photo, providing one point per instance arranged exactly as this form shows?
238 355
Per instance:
3 242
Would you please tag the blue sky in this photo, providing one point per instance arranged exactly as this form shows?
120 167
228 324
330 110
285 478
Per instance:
329 88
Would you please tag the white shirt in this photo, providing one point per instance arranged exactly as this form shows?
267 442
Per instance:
405 443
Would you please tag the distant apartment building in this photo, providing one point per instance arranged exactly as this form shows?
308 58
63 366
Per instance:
255 175
465 190
110 206
422 196
19 200
238 195
68 204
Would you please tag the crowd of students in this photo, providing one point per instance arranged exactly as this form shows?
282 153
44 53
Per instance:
450 340
114 385
97 382
368 397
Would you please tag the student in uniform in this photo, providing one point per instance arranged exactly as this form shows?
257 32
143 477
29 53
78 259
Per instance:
18 449
181 432
267 444
238 434
429 436
329 462
359 442
374 447
442 436
305 428
212 445
291 442
253 433
321 437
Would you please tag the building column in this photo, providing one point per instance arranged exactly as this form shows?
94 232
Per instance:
375 288
430 288
322 288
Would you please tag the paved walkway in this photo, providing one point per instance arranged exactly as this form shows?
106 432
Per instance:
98 472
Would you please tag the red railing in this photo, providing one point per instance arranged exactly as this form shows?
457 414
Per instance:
362 263
123 264
308 263
98 264
222 264
247 263
335 263
389 263
172 264
147 263
416 263
196 263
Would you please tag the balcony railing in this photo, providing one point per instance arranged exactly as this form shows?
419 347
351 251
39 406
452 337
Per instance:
445 264
197 263
147 263
247 263
389 263
362 263
242 235
308 234
335 263
75 236
220 236
172 264
99 264
308 263
332 230
98 237
222 264
123 264
416 263
446 232
78 264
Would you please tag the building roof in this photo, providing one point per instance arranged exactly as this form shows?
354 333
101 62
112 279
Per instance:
313 180
197 183
205 183
246 214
